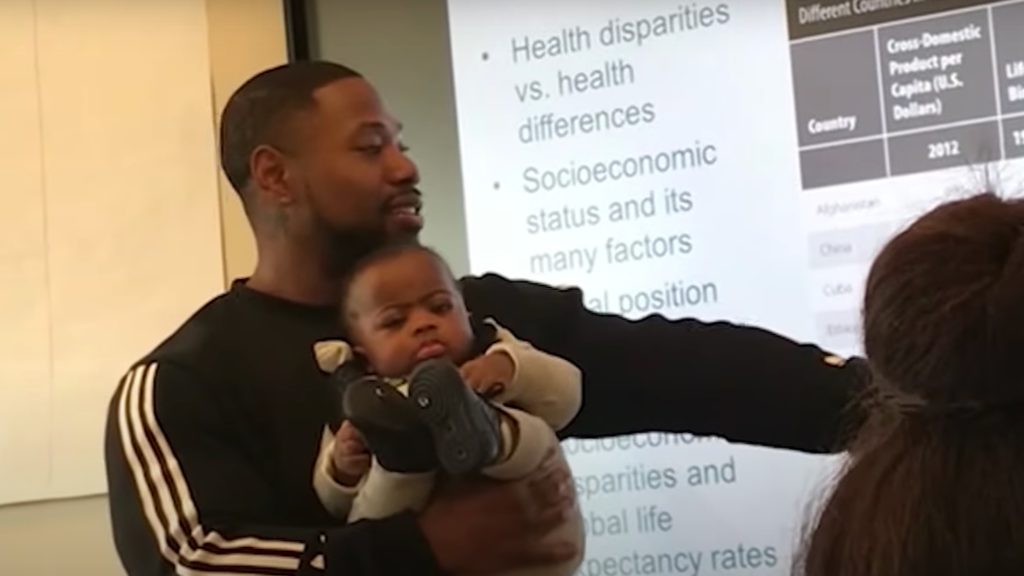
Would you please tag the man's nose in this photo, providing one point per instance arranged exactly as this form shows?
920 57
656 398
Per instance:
401 170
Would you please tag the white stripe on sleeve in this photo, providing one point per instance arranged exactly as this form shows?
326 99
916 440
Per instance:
167 501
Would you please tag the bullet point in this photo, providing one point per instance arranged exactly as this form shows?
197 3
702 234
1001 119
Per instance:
497 185
485 55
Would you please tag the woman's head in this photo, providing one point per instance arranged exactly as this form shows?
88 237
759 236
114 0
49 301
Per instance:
944 306
935 485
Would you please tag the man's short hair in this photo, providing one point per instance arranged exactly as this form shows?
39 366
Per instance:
256 112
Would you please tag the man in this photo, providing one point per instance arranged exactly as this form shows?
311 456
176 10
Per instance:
212 438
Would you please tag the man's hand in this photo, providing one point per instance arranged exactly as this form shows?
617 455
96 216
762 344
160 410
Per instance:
350 459
490 527
489 374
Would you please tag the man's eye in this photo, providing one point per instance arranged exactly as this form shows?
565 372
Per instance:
371 149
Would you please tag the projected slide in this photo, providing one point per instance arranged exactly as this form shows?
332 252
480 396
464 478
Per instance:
740 160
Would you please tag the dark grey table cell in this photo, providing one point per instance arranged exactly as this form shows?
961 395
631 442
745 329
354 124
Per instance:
937 71
813 17
1008 32
965 146
835 82
1013 132
842 163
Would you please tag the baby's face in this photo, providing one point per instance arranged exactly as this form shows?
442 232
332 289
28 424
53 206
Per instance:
407 309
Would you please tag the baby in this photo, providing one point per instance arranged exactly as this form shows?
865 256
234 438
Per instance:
425 388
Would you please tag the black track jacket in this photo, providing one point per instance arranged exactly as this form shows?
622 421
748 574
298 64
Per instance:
211 438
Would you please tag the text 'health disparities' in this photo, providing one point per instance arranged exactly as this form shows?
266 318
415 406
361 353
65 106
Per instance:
619 31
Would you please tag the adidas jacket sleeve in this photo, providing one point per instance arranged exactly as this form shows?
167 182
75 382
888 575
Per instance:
740 383
183 501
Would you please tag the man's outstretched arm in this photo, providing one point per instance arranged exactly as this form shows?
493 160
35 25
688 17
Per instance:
741 383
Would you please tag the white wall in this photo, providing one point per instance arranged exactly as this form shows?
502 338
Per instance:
57 538
113 54
402 47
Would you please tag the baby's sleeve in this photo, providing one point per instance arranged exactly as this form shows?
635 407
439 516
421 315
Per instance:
544 385
336 498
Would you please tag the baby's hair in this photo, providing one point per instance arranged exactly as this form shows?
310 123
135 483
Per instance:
383 254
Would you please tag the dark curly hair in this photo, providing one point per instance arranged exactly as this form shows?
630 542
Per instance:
935 483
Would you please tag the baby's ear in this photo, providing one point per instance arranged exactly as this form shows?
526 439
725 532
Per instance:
360 358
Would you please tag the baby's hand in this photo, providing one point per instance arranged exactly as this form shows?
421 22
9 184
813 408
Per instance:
489 374
350 459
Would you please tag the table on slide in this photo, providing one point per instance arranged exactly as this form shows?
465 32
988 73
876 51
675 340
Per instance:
910 95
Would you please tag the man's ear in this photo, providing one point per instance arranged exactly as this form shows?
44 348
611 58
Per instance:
269 169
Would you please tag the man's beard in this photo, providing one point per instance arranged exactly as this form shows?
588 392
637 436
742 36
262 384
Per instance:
345 247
